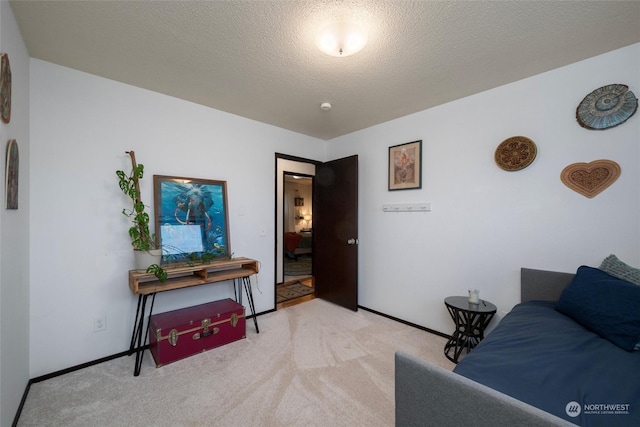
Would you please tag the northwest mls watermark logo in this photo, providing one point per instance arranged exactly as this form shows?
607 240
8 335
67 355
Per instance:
573 409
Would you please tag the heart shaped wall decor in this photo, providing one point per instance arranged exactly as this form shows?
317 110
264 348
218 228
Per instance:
590 179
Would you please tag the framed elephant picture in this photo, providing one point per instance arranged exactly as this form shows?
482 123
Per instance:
192 220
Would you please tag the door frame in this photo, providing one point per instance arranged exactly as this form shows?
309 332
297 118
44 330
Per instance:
292 164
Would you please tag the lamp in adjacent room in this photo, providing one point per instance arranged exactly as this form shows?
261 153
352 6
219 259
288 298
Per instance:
307 219
341 39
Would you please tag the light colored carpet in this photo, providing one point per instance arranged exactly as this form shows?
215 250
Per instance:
313 364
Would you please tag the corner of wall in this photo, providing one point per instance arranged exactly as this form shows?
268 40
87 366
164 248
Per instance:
14 229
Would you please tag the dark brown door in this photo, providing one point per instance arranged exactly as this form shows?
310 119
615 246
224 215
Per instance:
335 232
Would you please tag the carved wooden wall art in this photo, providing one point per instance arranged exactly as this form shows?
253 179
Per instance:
5 88
11 175
590 179
515 153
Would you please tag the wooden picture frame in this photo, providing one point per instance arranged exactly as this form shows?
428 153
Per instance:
405 166
191 217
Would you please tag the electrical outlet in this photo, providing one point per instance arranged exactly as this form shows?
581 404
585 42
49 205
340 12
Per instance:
99 324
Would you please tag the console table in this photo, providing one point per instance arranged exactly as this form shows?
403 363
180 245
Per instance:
146 285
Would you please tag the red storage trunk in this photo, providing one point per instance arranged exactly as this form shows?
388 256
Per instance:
177 334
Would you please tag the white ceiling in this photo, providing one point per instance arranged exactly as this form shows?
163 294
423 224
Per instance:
258 59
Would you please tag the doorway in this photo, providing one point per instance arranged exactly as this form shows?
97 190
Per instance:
294 230
333 225
297 215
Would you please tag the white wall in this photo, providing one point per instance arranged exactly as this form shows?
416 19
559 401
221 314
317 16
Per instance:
14 228
81 126
487 223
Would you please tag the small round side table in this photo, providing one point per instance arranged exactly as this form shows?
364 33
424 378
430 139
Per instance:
471 320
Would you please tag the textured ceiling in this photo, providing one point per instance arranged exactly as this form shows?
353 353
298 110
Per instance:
258 59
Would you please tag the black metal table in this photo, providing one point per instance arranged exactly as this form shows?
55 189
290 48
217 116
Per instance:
471 320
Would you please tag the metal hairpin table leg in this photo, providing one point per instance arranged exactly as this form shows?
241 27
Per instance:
247 286
134 334
237 289
140 332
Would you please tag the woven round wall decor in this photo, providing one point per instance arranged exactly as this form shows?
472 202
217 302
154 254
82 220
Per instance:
606 107
515 153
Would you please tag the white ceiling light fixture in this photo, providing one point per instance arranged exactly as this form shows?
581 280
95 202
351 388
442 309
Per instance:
341 39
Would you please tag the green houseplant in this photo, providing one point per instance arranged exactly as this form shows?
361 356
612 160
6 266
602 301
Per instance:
141 237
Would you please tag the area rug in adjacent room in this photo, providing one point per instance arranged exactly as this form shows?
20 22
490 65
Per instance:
294 290
299 267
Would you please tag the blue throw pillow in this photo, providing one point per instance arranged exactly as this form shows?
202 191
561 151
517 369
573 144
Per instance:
604 304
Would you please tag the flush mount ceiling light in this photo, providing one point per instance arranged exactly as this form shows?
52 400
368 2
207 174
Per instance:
341 39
